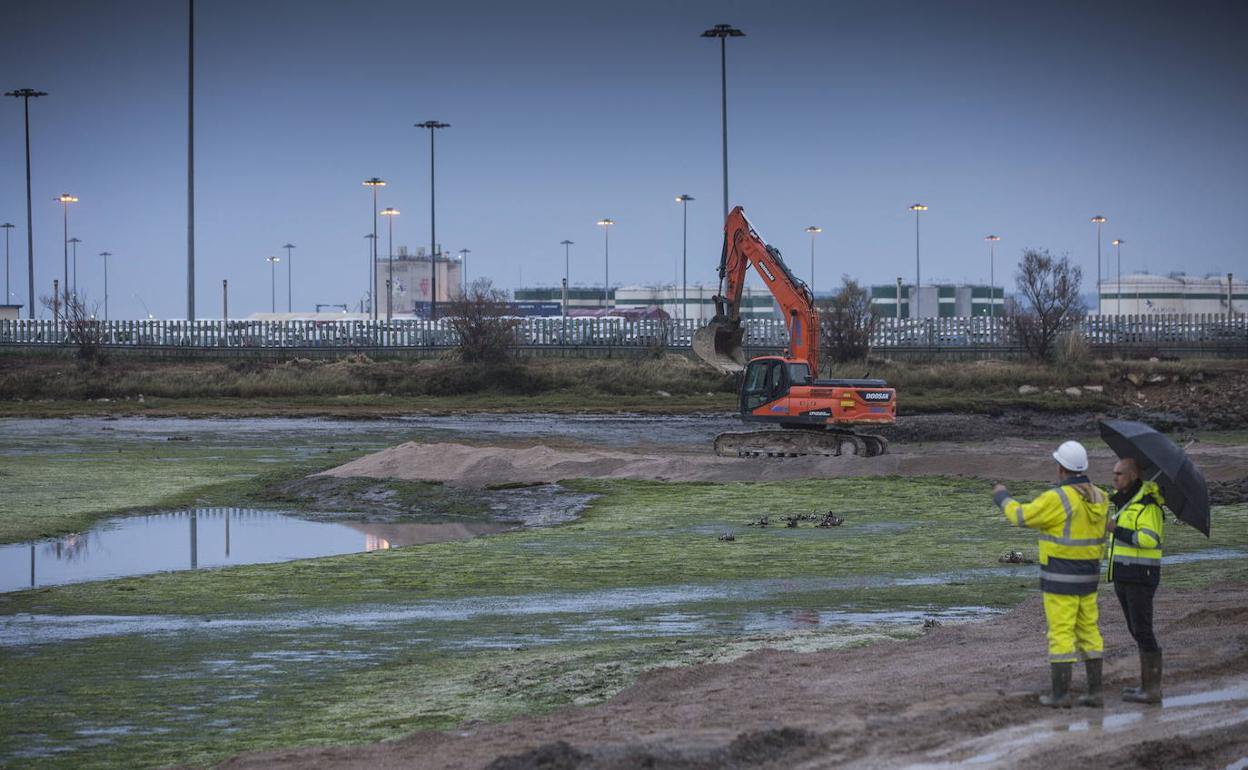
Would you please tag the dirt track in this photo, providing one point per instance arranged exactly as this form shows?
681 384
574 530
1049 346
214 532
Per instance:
960 694
464 465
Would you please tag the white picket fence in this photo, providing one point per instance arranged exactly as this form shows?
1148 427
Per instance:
1204 331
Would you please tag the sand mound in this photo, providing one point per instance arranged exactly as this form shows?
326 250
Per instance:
463 465
479 466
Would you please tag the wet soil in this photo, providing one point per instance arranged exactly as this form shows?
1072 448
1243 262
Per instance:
1229 492
961 694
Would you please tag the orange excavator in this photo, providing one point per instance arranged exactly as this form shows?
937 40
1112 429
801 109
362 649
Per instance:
814 416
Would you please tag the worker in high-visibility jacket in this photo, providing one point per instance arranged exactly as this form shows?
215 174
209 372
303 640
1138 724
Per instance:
1135 569
1071 519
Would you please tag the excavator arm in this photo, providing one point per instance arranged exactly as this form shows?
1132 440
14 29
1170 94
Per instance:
719 343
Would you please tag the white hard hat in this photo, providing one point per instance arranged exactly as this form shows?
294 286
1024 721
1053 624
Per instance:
1072 456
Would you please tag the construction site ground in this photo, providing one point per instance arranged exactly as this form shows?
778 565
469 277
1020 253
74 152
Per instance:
961 695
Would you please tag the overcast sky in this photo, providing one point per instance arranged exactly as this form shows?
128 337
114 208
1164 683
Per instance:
1018 119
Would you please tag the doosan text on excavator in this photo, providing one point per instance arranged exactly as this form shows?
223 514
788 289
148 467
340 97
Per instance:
814 416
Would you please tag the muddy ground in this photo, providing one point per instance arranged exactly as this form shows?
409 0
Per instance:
961 694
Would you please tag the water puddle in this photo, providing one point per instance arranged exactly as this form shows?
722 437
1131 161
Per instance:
1179 715
492 621
210 537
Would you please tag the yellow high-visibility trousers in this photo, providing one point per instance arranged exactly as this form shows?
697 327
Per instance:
1073 633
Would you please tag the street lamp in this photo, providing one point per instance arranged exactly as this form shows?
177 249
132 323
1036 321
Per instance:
74 257
433 126
26 94
723 32
1117 242
65 199
273 282
106 255
813 230
368 294
683 200
992 279
290 265
1098 220
463 267
390 214
567 246
374 183
8 295
605 224
917 208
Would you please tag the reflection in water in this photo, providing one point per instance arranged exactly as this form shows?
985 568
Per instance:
172 541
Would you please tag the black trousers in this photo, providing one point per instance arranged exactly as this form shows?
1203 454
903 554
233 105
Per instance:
1137 604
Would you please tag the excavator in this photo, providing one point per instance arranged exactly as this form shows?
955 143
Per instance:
813 416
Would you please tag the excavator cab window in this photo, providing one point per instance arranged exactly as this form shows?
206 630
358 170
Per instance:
765 381
799 374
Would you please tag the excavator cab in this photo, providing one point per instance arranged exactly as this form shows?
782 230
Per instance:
766 379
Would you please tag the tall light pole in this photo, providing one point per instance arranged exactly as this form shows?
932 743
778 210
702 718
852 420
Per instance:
917 208
605 224
290 265
992 277
26 94
390 214
65 199
723 32
273 282
567 261
74 259
106 255
683 200
813 230
1118 244
190 160
463 267
8 295
433 127
1098 220
374 183
372 280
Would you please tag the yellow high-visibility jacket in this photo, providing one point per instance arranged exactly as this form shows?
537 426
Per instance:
1135 549
1071 520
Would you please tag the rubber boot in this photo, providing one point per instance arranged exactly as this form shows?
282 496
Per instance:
1094 698
1150 678
1060 697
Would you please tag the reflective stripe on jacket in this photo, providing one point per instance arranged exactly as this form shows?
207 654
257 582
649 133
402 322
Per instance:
1135 549
1071 520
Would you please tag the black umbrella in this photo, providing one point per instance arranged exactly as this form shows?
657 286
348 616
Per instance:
1159 458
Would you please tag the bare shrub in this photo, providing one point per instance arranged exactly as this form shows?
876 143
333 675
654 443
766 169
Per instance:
1048 301
480 319
82 329
847 323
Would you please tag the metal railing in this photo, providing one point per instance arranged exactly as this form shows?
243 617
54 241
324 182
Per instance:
1199 331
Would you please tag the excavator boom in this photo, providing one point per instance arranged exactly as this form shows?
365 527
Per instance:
721 342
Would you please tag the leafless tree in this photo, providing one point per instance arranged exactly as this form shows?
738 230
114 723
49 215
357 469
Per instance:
847 323
480 318
1048 302
82 328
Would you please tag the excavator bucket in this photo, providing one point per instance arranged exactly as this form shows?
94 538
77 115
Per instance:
719 344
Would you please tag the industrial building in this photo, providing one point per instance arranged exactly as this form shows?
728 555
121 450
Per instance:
938 301
755 303
1145 294
413 281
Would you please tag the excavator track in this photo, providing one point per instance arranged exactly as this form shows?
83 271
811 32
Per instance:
799 443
